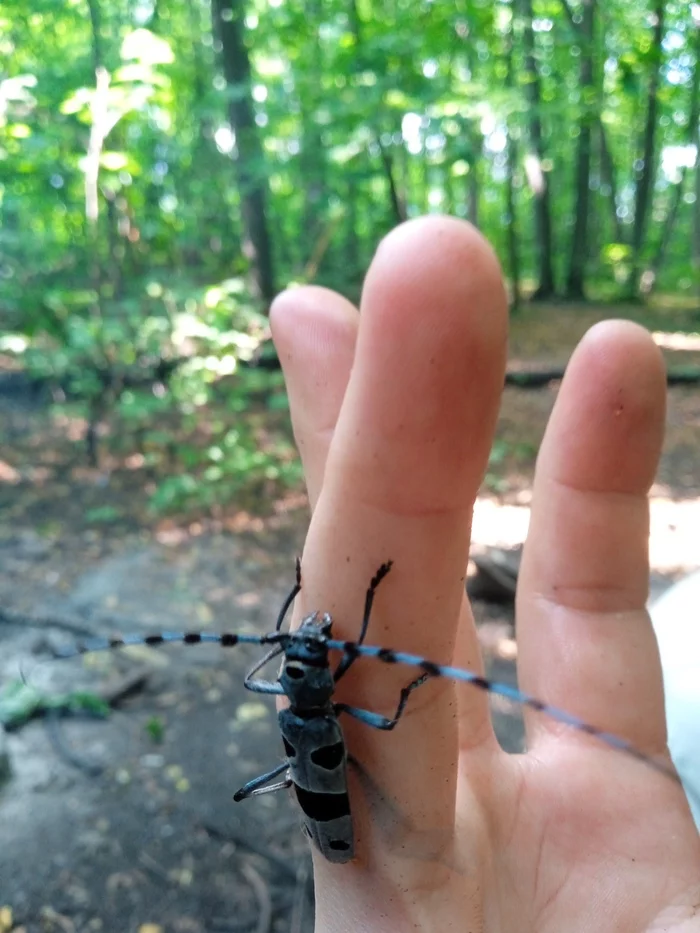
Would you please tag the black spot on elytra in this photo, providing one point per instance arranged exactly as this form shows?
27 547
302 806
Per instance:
322 807
289 749
329 757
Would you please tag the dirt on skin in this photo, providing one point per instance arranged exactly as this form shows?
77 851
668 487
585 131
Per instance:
127 824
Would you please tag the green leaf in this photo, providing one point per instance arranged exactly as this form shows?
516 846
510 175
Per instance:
19 702
155 727
102 514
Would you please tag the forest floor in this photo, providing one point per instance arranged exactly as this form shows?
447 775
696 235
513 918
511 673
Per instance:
127 823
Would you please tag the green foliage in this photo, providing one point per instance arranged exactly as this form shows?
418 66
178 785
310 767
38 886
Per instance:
125 233
20 702
102 515
157 368
518 453
155 728
239 462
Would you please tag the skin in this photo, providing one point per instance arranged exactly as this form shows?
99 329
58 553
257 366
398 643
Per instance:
393 411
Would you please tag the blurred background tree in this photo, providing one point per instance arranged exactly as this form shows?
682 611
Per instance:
166 168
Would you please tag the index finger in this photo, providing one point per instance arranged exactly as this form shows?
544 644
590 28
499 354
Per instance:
404 467
314 330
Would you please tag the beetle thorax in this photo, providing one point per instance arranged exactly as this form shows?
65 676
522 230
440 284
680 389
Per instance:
306 677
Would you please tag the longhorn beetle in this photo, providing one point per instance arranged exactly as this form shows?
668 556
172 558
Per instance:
316 756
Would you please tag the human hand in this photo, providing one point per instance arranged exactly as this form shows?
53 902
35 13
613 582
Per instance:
394 412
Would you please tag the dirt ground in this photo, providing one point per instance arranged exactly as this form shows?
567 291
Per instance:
127 824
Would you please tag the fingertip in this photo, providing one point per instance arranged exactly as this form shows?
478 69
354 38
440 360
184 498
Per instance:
449 238
314 331
607 427
311 321
445 261
428 369
616 343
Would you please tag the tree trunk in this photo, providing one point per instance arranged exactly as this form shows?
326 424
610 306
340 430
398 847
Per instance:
651 274
351 247
696 218
312 159
397 201
540 184
99 128
474 138
96 34
575 279
398 207
511 208
313 178
645 179
228 24
609 175
154 22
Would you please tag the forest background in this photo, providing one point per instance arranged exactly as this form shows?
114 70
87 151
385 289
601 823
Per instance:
166 168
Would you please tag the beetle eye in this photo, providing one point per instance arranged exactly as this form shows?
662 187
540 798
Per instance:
294 672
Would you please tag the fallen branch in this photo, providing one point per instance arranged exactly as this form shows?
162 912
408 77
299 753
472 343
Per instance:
538 378
21 619
53 724
262 896
497 575
68 623
246 842
126 687
267 359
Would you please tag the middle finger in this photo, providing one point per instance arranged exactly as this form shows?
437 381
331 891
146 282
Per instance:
405 463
